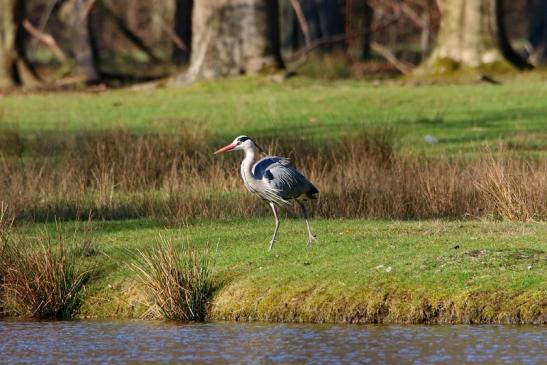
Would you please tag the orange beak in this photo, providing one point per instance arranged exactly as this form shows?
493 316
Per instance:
227 148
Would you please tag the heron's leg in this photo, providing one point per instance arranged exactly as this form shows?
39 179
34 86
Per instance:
311 236
276 225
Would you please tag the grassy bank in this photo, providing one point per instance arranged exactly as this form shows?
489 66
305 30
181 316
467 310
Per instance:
361 271
141 161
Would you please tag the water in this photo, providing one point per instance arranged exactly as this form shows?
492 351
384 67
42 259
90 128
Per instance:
242 343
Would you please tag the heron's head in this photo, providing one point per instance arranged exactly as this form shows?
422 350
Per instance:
240 143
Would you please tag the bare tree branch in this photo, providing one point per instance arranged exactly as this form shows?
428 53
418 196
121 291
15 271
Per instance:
128 33
407 10
45 17
302 21
402 66
174 37
440 5
45 38
344 37
412 15
88 7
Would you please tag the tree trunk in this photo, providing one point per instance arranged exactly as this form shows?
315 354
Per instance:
334 17
323 18
313 17
132 14
15 69
537 31
8 56
233 37
183 28
472 35
82 42
363 18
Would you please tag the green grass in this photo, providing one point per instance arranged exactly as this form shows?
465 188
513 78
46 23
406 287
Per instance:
356 264
362 270
462 117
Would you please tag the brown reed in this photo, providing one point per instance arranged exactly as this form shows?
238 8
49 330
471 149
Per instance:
179 278
5 230
42 278
119 174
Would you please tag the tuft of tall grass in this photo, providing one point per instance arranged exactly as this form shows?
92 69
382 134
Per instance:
514 191
5 230
117 174
42 278
178 276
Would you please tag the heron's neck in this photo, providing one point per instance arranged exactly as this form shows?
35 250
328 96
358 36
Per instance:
247 164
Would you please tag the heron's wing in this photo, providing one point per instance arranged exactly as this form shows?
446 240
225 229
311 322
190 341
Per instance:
280 178
261 167
262 173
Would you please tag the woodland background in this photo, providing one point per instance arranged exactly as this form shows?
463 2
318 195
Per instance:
67 42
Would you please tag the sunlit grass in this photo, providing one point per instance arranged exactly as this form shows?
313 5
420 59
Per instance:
427 262
478 270
461 117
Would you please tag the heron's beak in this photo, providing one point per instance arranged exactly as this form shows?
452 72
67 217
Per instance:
226 148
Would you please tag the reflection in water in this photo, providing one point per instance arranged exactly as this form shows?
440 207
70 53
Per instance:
221 343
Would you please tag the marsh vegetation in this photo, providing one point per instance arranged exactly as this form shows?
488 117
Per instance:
178 276
410 232
42 276
120 174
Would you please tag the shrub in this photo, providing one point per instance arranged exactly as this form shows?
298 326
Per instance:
41 278
178 276
514 191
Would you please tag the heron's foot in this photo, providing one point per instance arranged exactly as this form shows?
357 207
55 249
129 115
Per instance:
312 239
271 244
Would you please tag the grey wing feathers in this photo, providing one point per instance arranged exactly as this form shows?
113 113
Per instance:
261 167
280 180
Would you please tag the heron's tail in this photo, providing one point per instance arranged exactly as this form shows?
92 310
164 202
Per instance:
312 192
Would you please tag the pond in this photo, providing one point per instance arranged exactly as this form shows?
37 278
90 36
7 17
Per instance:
251 343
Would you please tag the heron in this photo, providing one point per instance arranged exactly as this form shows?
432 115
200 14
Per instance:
273 179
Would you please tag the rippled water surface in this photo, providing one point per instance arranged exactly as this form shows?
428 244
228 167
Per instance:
221 343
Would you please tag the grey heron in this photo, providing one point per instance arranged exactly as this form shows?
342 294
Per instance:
273 179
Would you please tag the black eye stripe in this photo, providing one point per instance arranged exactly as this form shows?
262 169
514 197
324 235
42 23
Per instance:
242 139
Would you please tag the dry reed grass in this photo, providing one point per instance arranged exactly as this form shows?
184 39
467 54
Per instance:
6 223
41 278
5 230
118 174
514 190
179 278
